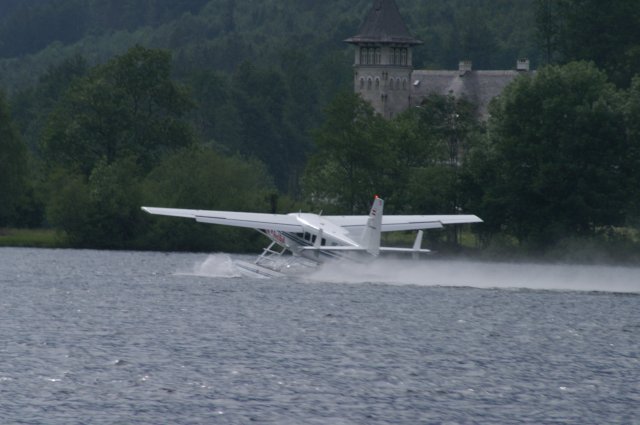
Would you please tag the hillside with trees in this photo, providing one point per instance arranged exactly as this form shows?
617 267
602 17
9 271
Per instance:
232 104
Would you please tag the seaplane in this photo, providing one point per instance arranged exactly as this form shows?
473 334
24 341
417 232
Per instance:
312 239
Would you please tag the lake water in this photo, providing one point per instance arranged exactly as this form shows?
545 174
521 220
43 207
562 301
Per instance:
91 337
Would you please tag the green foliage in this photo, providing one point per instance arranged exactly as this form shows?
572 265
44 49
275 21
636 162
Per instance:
13 166
68 205
32 106
631 113
41 238
200 178
557 153
221 34
126 108
259 99
346 169
414 161
428 145
101 211
592 30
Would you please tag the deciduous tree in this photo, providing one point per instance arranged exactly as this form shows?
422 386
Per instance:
13 166
128 107
347 168
558 155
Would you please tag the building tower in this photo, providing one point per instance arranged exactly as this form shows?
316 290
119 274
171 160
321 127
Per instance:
383 59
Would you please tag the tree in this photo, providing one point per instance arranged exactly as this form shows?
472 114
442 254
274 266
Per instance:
448 129
631 113
31 107
260 99
347 168
200 178
108 131
101 211
605 33
128 107
558 155
13 166
547 27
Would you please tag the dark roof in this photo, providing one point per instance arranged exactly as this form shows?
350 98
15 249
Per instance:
384 25
477 87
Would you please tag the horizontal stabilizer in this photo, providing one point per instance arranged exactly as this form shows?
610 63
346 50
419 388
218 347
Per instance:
362 249
406 250
393 223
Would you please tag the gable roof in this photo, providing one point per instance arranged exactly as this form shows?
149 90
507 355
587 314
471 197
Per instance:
384 24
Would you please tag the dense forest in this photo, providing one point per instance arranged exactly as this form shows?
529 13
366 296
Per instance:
232 104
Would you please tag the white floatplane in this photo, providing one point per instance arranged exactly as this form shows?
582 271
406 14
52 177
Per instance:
314 238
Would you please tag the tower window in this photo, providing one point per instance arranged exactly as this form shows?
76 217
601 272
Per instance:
370 55
400 56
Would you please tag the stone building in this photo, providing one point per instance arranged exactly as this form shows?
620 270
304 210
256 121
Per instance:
384 74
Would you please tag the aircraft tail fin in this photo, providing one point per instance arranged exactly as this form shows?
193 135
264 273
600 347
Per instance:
372 231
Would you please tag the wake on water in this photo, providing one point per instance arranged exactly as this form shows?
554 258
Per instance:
215 265
485 275
451 273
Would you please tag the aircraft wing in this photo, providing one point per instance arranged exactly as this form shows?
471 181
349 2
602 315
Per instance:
280 222
392 223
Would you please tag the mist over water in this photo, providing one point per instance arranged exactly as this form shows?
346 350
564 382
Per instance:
447 273
483 275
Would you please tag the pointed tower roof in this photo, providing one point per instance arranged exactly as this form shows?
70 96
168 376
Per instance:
384 25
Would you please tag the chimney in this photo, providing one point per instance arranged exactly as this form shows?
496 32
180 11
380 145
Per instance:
522 65
464 67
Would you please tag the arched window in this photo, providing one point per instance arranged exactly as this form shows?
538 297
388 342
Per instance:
377 83
404 84
369 83
361 83
378 58
403 56
370 55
